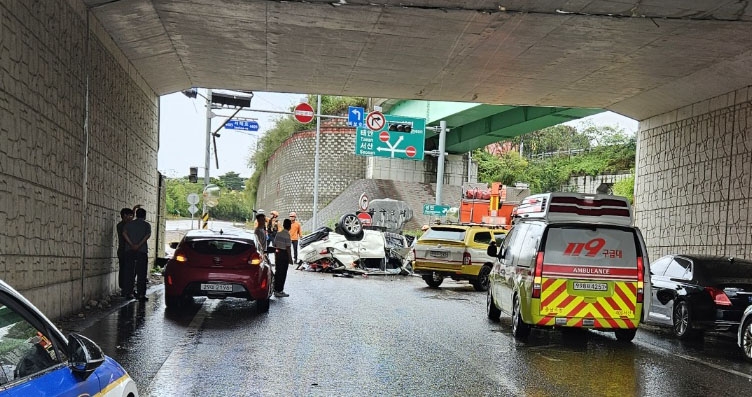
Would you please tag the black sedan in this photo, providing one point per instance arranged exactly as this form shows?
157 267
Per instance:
695 293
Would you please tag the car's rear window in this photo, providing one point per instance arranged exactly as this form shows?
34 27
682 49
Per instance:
220 247
723 271
591 246
439 233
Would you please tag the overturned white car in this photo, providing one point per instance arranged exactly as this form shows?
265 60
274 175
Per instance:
356 250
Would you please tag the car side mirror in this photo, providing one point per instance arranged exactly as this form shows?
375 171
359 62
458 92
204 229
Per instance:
174 244
84 356
491 250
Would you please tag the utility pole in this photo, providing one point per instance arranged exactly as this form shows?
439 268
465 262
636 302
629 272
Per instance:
316 165
207 159
440 171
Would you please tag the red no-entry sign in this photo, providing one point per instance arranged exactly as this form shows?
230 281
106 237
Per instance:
365 218
410 151
384 136
303 113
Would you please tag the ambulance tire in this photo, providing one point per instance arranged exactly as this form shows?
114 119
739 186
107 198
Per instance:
625 335
433 280
492 311
481 283
682 321
520 330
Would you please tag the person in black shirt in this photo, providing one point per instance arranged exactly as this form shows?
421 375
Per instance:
125 267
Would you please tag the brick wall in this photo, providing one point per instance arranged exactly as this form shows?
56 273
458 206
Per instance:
693 178
589 184
287 182
57 247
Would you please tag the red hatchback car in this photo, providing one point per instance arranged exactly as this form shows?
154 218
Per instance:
218 265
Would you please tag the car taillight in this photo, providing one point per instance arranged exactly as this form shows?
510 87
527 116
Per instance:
538 275
467 259
254 259
179 256
719 297
640 280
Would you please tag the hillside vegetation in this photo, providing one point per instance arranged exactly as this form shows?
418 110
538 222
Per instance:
552 155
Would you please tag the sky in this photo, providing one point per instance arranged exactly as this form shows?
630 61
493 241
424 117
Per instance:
183 132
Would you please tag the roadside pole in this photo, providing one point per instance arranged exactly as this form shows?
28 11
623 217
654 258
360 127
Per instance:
440 171
316 164
207 159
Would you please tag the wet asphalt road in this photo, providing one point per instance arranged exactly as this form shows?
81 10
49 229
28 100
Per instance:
390 335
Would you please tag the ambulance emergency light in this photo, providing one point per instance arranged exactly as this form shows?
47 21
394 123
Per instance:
577 207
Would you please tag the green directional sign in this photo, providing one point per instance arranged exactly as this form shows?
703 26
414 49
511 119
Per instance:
434 209
398 138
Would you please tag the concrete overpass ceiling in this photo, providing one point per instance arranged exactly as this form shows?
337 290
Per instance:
637 58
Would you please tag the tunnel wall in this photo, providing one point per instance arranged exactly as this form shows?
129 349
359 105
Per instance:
693 177
68 161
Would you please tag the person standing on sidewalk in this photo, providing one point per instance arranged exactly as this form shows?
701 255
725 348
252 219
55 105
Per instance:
125 266
136 233
282 258
294 237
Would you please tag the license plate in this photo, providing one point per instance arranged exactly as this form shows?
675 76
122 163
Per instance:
439 254
216 287
579 286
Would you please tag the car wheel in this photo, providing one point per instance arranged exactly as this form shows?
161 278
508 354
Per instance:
262 305
349 226
625 335
682 320
747 339
433 280
492 311
482 283
520 330
172 302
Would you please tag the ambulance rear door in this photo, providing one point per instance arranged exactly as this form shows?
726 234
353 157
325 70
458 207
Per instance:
592 276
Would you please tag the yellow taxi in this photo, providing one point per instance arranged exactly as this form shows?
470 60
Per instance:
457 252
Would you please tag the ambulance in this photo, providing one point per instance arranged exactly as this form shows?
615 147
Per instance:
571 260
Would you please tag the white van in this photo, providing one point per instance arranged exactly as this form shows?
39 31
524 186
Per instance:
571 260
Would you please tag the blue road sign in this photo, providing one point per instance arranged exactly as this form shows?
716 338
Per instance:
398 138
355 116
433 209
246 125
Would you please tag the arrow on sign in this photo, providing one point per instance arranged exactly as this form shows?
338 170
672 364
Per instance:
356 112
392 149
375 121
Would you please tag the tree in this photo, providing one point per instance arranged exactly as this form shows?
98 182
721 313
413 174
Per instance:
625 188
563 152
232 181
558 138
507 168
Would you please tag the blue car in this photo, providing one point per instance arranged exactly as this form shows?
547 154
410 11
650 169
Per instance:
37 360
